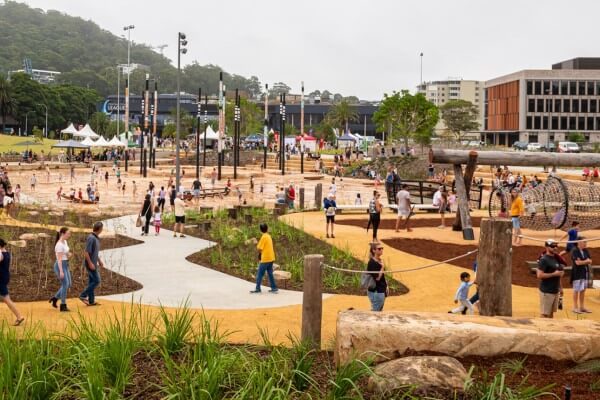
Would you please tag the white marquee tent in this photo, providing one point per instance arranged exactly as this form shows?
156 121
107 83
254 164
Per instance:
101 142
88 142
85 132
69 129
115 142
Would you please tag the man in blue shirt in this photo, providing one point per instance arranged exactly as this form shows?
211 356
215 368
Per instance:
92 264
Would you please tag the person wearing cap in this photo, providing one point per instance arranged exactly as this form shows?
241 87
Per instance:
329 206
179 206
549 272
580 274
516 210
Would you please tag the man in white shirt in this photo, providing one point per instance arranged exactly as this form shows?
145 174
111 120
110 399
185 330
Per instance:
437 197
404 209
333 187
179 206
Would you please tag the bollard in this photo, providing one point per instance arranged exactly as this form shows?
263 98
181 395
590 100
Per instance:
232 212
494 267
302 198
312 300
318 195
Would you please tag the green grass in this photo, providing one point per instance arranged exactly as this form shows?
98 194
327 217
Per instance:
9 143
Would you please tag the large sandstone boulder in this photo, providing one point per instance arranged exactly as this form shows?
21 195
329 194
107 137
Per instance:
18 243
428 374
33 213
28 236
43 235
391 334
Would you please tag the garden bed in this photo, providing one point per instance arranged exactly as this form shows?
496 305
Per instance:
32 275
235 253
387 223
521 274
181 355
69 217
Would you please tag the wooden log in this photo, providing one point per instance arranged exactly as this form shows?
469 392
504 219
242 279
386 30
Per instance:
301 198
494 267
232 212
463 203
515 158
318 196
469 172
312 300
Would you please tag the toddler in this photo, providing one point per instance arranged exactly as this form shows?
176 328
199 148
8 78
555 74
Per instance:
156 220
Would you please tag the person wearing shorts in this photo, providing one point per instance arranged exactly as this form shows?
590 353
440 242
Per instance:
179 206
329 206
516 210
403 203
549 272
580 275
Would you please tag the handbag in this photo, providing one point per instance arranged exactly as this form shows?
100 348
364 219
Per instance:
367 281
138 222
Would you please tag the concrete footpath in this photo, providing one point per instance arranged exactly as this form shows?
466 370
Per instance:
159 264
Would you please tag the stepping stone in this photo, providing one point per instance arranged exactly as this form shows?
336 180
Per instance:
43 235
56 213
18 243
33 213
28 236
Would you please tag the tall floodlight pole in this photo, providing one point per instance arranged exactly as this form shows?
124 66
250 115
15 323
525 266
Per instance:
421 69
181 43
154 124
128 29
302 129
236 133
282 134
205 127
198 116
220 138
266 128
118 98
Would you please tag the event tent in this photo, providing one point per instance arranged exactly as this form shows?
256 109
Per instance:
69 129
101 142
210 134
116 142
86 131
70 144
347 138
88 142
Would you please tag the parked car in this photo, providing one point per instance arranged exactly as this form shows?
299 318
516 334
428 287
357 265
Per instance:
535 147
568 147
550 147
520 145
8 131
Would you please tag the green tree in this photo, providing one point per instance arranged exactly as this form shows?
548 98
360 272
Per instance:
99 123
168 131
341 114
460 116
405 115
576 137
251 118
38 134
8 105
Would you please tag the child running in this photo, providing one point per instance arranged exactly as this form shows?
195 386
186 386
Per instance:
156 220
462 295
4 279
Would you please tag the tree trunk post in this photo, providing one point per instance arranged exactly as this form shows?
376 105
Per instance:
318 195
463 203
494 267
312 300
469 172
302 198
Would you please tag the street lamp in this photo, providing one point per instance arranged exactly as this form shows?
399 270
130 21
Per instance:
46 129
128 30
181 49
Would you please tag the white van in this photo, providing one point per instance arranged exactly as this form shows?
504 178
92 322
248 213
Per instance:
568 147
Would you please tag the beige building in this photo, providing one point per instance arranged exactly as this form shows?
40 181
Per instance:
440 92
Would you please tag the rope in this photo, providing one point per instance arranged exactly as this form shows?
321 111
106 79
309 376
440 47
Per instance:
559 241
405 270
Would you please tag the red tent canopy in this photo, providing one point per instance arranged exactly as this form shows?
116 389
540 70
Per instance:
306 137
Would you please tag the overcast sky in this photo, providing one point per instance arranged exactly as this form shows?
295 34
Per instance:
363 48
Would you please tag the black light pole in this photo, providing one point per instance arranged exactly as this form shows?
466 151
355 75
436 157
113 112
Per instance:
302 130
126 131
205 127
221 127
236 133
142 139
181 43
266 128
154 123
282 134
198 133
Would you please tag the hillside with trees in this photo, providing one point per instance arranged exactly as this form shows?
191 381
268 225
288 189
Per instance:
88 55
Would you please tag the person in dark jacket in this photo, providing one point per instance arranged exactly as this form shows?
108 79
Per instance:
146 214
4 279
375 266
580 275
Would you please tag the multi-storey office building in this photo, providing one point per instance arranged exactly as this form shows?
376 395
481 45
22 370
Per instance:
544 105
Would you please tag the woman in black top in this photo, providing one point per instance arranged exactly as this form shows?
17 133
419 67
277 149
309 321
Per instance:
377 295
146 212
172 196
4 279
374 213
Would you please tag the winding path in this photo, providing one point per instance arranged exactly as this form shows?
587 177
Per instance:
159 264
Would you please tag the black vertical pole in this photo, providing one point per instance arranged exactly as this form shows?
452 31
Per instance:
283 134
198 133
280 127
126 131
150 135
236 126
205 126
142 141
266 127
220 153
